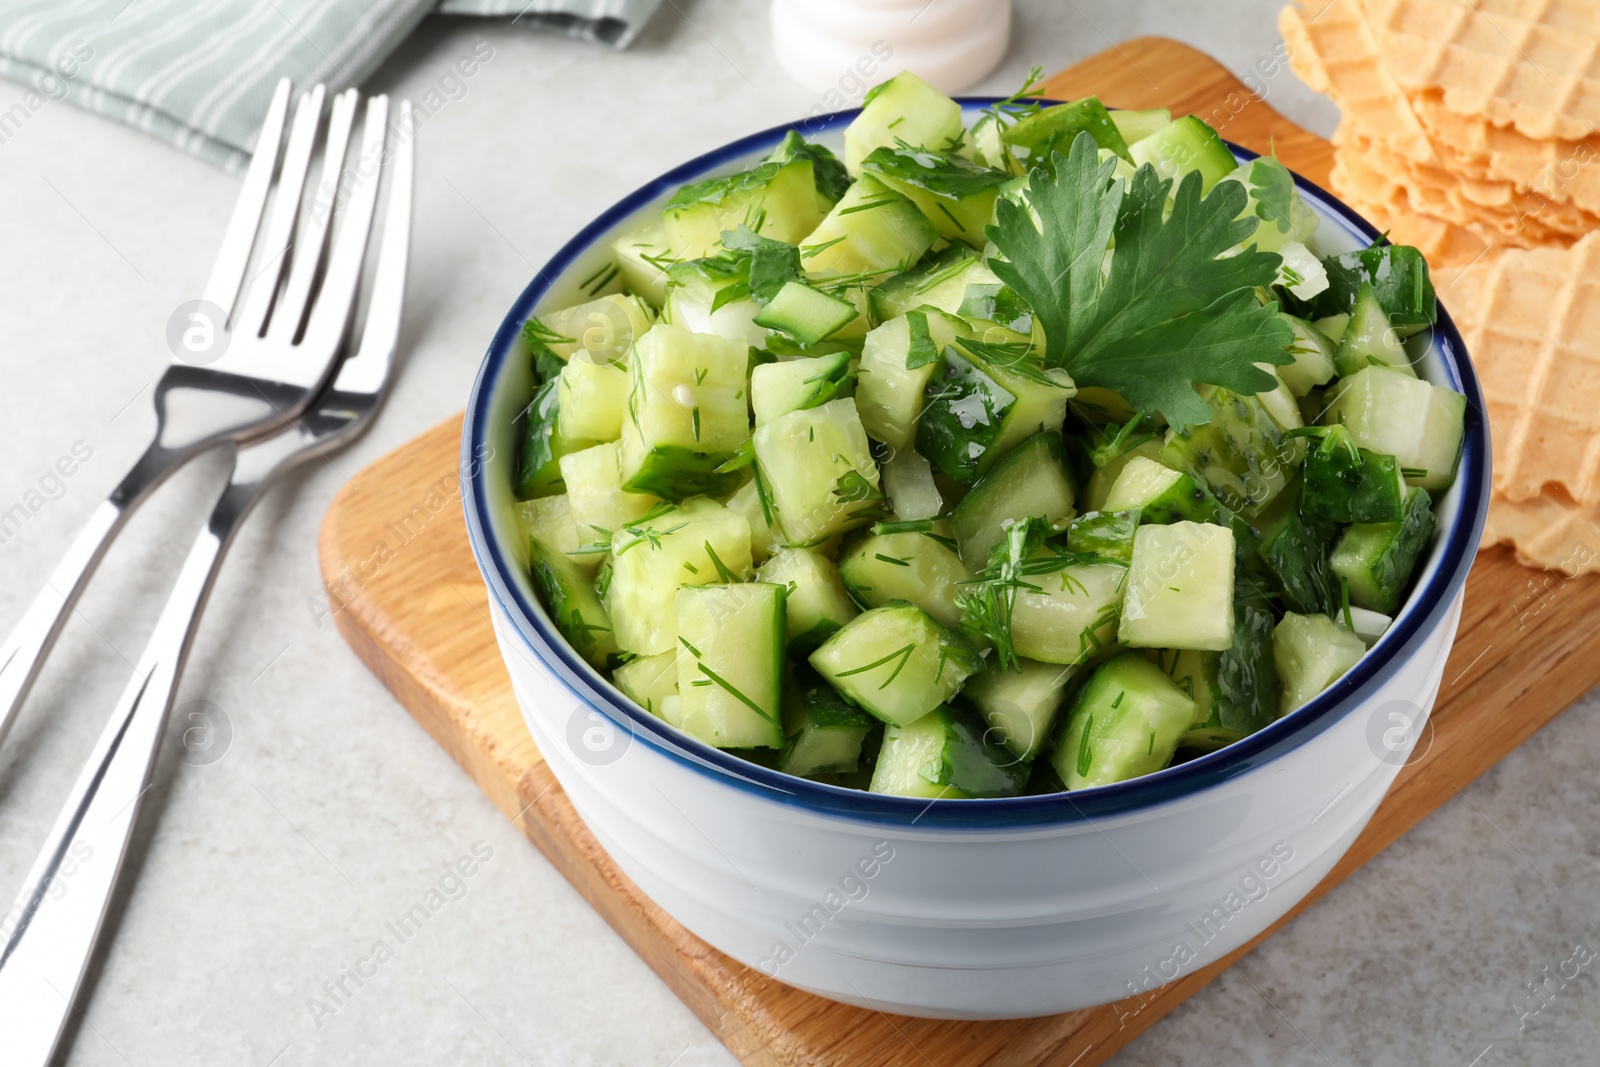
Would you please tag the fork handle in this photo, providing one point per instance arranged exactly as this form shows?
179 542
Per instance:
47 937
24 652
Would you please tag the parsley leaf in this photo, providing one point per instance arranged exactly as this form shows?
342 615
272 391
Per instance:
922 351
1169 313
772 264
1273 188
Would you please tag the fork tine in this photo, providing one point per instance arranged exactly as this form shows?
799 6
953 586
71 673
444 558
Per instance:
285 208
227 274
331 313
290 310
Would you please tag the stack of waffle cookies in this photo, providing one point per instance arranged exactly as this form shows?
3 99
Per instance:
1471 129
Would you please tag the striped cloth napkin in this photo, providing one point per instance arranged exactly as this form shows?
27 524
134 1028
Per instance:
199 73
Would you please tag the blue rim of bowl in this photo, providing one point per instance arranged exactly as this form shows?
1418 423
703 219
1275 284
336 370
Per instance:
1424 610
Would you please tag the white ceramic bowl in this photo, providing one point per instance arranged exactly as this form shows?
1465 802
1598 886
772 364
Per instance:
962 908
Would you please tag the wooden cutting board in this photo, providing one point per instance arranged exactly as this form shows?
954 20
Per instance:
408 599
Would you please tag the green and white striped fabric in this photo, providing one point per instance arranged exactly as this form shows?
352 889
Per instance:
199 73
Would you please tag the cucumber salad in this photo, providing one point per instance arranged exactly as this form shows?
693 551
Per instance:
1025 456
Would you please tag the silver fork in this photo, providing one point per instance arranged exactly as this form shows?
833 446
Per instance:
55 922
274 359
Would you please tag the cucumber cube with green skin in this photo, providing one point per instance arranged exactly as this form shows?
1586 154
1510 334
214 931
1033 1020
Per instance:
730 664
918 568
1333 326
908 483
974 412
593 398
1160 494
1295 550
1393 413
797 384
542 443
1398 274
831 177
946 754
1180 588
1235 692
1137 125
777 200
897 662
649 680
696 543
872 230
823 732
687 413
998 303
1345 484
1311 652
1369 340
817 604
642 256
819 472
1244 455
570 598
1053 129
747 501
956 194
904 108
1313 358
1098 490
890 384
806 314
549 518
1031 482
1185 145
1104 533
940 281
1126 722
1376 559
1020 705
598 503
1070 614
604 328
697 300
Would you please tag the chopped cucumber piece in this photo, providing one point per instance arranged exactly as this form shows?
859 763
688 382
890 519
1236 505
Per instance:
1185 145
1036 138
571 600
945 754
897 662
687 413
831 177
1235 692
1369 339
1104 533
891 382
817 603
919 568
823 732
1180 588
695 543
976 411
1369 625
1301 272
698 299
1159 494
549 518
1031 482
806 314
542 442
909 485
605 329
642 255
1376 559
593 398
819 472
794 385
599 505
1070 614
940 281
1345 484
1311 652
649 680
997 303
1098 490
777 200
1020 705
955 194
1397 273
747 502
1137 125
873 230
904 108
1333 326
1126 722
1244 454
1313 358
1415 421
730 664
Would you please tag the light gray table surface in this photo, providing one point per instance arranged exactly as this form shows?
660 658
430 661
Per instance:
266 873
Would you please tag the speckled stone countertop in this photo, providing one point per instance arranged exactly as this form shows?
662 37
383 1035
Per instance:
266 873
